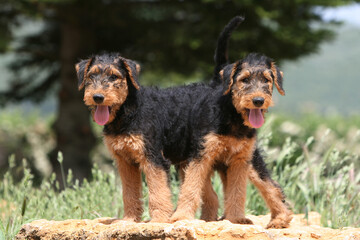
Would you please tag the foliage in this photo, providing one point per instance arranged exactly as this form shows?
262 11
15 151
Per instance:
174 39
318 167
313 158
165 36
31 132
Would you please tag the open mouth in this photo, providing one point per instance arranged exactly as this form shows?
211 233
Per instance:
256 117
102 114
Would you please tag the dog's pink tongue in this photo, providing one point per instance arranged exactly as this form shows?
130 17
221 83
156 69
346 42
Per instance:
256 118
101 114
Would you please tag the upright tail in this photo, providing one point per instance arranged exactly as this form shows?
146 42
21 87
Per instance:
221 52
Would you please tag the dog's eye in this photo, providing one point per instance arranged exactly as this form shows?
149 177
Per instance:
245 80
266 80
113 77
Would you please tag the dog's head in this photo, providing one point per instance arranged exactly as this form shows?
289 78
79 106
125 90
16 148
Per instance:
108 79
250 82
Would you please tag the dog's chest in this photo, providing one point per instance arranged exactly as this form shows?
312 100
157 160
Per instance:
237 149
128 147
226 148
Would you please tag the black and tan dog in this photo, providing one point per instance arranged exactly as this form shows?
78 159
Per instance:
145 129
223 132
113 94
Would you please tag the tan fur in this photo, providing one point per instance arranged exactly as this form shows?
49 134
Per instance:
160 205
125 149
236 175
93 70
224 182
182 167
243 74
130 149
221 73
242 98
273 69
235 191
138 69
243 102
273 196
131 189
216 148
85 72
191 189
131 75
113 71
115 94
210 202
267 75
231 82
77 67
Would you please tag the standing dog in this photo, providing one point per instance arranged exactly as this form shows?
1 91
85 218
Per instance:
224 137
144 128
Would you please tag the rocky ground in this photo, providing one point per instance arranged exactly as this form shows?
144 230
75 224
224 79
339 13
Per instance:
108 228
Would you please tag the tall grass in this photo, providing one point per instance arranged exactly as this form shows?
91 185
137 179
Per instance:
315 160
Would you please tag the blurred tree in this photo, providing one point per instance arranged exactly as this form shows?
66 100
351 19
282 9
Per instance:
165 36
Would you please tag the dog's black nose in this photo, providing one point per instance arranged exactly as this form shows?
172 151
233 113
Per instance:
98 98
258 101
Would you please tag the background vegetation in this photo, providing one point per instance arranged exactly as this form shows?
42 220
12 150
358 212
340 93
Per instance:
315 160
312 150
173 40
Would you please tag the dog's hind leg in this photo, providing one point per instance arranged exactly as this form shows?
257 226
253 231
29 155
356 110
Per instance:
192 187
210 204
270 191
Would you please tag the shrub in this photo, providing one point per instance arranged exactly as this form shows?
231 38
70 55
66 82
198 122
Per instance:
317 168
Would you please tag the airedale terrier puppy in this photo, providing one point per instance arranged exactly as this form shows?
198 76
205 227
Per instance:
145 129
113 94
223 131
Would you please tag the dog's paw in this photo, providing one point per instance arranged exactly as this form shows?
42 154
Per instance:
130 219
180 217
280 222
160 220
239 220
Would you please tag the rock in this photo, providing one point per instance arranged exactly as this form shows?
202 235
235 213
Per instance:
109 228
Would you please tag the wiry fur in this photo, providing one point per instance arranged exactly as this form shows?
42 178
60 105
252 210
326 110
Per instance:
225 114
221 52
196 126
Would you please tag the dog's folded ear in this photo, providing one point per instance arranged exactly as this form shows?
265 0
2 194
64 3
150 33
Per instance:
82 69
132 70
227 75
278 78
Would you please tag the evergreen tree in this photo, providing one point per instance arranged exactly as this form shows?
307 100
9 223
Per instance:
164 36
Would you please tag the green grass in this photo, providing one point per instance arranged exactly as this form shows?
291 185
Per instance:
315 159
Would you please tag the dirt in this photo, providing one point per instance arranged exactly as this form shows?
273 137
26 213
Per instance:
109 228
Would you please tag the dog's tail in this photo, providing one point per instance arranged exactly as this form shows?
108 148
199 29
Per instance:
221 52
